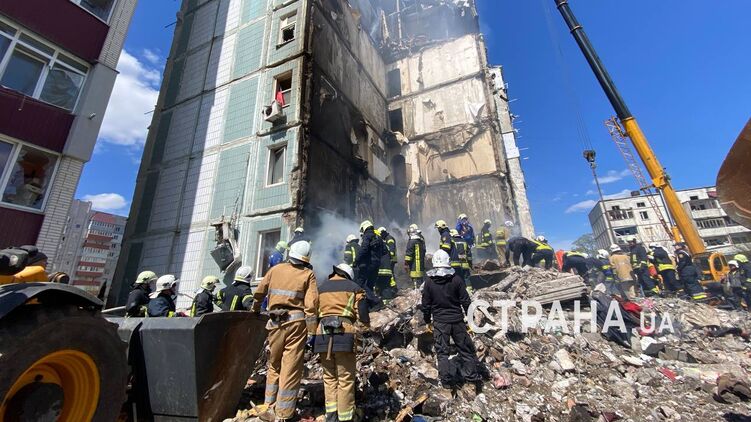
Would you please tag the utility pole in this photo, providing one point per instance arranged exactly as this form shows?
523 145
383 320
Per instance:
589 155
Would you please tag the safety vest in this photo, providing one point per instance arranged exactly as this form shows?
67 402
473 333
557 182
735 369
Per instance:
350 253
541 246
415 257
485 240
500 237
459 260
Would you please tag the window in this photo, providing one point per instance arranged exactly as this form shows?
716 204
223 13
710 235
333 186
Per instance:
5 151
287 29
644 215
640 205
394 83
710 223
29 178
396 120
266 243
38 70
283 89
625 231
276 166
693 198
716 241
99 8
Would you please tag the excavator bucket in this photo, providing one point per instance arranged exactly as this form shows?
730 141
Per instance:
734 179
190 368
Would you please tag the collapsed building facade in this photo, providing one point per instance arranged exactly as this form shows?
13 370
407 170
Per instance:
274 113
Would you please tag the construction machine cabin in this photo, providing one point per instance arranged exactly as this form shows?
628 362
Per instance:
272 114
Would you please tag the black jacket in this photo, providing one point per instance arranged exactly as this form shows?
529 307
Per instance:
236 297
443 299
162 306
639 257
203 303
685 265
371 250
522 244
138 300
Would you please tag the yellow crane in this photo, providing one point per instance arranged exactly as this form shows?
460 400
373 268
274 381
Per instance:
712 265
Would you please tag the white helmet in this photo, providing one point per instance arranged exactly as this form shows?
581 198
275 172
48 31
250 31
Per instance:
654 245
733 262
441 259
209 283
462 216
382 230
602 254
365 225
300 251
146 277
631 238
615 248
351 238
541 238
413 229
585 255
244 274
509 223
299 230
345 271
165 282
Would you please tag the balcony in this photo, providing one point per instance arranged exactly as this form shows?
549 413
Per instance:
708 213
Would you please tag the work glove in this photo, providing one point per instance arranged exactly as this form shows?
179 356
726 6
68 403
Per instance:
430 328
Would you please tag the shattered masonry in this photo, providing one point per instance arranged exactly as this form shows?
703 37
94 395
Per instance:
391 113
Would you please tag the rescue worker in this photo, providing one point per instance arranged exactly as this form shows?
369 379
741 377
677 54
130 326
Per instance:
520 247
605 270
733 286
203 303
277 257
390 243
297 236
665 267
239 295
138 298
501 238
485 242
575 260
292 305
621 265
341 308
414 256
744 268
543 252
368 261
350 249
444 303
383 286
162 303
688 273
461 258
465 229
443 231
640 265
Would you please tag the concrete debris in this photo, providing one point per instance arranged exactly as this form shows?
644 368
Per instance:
699 371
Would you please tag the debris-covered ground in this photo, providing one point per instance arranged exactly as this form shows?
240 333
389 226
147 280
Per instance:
697 372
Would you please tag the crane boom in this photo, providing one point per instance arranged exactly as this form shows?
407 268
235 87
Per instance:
660 179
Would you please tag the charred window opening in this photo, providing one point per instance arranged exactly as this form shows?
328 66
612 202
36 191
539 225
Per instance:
396 121
287 29
395 83
399 170
283 89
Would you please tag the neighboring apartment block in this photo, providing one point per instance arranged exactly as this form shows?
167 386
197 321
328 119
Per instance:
274 112
57 70
90 247
634 216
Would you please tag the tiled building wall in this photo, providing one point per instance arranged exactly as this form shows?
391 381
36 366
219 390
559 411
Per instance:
207 151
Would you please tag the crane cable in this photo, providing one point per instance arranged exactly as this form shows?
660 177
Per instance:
581 127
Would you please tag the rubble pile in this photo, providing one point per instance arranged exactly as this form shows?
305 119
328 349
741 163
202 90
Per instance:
698 371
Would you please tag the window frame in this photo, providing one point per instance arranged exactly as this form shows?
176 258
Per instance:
271 150
284 76
259 250
109 16
57 58
5 176
280 42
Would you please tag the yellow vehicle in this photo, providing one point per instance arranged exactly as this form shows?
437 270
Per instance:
711 265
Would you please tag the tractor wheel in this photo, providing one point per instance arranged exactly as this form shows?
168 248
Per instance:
60 363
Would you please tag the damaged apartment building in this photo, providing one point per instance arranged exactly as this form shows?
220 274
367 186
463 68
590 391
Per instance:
274 112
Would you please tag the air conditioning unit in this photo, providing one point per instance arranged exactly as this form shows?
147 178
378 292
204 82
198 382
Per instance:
273 112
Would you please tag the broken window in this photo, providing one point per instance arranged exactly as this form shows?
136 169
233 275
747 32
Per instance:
266 243
394 83
283 89
396 120
287 29
644 215
625 231
30 177
276 166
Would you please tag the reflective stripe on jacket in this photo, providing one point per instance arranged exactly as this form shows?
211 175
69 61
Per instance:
290 287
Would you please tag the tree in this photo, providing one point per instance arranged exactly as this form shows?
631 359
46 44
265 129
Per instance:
585 243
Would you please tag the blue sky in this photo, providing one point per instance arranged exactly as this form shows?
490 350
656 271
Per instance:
682 67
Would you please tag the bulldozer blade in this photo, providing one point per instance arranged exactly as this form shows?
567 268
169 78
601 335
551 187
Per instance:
191 369
734 179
